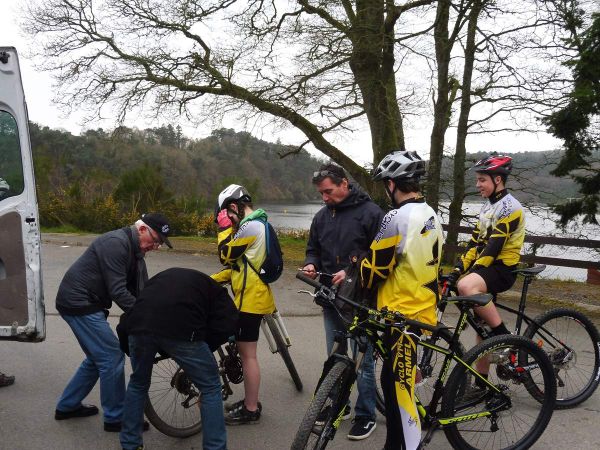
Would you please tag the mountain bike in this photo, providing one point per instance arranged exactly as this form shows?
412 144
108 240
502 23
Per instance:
501 415
173 403
570 339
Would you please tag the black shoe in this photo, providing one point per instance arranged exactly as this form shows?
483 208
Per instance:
322 417
6 380
231 406
82 411
241 416
362 428
115 427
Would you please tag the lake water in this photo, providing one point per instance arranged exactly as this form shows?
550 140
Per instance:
540 221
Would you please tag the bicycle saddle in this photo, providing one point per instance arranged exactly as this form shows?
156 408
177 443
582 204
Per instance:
528 271
471 300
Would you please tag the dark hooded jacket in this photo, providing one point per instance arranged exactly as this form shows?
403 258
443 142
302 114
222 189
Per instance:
339 231
181 304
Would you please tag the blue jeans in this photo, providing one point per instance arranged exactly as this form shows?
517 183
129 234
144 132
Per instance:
198 362
365 404
104 360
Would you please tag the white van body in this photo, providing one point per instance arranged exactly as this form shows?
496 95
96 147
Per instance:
21 296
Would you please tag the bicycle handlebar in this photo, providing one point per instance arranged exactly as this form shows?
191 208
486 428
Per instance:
308 280
395 317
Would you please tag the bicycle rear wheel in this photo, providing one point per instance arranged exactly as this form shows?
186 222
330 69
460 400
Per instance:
482 418
572 344
284 351
327 404
173 402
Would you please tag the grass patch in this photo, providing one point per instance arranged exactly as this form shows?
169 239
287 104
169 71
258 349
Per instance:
293 248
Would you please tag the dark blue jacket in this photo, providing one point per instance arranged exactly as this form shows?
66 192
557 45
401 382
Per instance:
111 269
339 231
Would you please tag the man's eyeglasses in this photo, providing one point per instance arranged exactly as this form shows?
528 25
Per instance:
325 173
155 240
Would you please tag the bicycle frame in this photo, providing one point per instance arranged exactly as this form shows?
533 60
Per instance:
481 330
371 328
369 325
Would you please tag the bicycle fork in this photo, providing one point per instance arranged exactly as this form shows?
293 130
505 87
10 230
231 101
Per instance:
277 322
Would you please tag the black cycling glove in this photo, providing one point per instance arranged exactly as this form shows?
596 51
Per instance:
453 277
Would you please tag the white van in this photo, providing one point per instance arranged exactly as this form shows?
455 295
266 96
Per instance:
21 297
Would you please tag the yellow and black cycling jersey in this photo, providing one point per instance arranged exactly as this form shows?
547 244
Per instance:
240 250
498 235
404 261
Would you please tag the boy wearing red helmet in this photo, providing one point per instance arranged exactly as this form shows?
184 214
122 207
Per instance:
494 249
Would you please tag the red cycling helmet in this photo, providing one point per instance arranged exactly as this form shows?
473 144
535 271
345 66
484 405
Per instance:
494 164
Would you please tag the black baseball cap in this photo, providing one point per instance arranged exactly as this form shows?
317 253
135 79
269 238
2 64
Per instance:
160 224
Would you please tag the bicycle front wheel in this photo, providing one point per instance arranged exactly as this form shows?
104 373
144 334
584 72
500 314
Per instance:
572 344
173 402
507 417
284 351
320 422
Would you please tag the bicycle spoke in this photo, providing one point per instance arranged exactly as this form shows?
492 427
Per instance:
517 418
576 362
169 391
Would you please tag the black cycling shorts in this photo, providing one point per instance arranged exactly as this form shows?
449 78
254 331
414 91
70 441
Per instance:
248 327
497 277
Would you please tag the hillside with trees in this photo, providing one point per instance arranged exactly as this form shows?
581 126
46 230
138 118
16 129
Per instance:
102 179
531 179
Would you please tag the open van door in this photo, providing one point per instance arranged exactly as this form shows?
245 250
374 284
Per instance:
21 297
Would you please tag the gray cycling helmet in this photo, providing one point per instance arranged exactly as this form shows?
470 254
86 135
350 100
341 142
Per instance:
232 193
400 165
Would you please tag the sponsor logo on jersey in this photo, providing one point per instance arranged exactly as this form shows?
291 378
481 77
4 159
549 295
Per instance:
385 223
241 230
506 208
429 225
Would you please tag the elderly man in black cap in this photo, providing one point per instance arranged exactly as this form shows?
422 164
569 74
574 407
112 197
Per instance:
111 269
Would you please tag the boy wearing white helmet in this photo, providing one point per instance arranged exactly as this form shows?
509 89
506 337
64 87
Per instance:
403 262
242 247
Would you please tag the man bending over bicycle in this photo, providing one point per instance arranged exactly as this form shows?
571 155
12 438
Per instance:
494 249
404 261
185 314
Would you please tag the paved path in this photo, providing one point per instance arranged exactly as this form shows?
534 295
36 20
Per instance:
42 371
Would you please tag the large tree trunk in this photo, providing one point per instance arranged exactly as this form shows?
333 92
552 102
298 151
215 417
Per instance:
462 130
372 63
442 104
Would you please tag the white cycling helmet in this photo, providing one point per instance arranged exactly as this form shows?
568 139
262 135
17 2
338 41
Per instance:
232 193
400 165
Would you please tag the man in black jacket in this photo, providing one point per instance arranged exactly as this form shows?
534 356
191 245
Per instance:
185 314
346 225
111 269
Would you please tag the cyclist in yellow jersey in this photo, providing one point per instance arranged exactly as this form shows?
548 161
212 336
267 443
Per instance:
404 261
242 246
494 249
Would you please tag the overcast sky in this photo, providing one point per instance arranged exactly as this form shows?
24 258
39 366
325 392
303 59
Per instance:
39 94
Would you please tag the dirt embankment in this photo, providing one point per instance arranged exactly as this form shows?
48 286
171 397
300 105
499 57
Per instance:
582 296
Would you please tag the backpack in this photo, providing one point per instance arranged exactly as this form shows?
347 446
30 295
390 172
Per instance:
272 267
